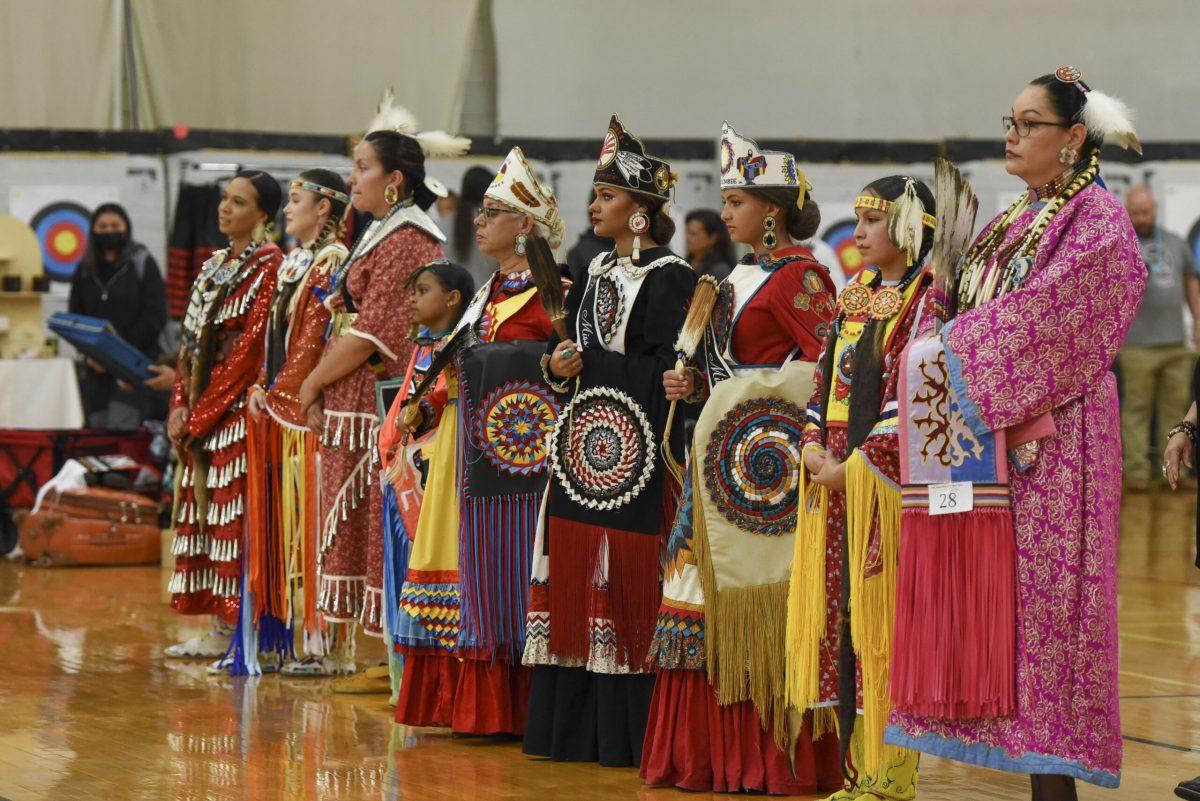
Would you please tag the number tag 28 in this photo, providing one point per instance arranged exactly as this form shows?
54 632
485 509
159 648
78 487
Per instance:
949 499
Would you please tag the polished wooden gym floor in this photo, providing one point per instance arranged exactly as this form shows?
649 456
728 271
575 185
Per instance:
89 708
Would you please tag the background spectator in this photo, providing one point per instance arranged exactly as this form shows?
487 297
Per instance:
709 248
119 281
475 182
444 210
587 247
1156 362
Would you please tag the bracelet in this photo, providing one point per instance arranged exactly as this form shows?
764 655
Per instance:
1184 427
561 387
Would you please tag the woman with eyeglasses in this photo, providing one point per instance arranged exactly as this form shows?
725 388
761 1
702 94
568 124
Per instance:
461 623
1020 375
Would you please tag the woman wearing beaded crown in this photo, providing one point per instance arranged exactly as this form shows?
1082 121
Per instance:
219 357
844 570
280 565
595 586
730 550
369 338
463 603
1044 299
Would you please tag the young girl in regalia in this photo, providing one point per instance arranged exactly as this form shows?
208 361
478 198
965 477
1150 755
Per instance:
843 582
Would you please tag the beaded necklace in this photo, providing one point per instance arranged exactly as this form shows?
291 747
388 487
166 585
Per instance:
880 299
220 273
977 281
365 243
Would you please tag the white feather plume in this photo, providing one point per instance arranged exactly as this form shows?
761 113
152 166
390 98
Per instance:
441 145
1109 119
434 144
391 117
905 223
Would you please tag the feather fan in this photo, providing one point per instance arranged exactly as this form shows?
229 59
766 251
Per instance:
440 361
704 297
956 208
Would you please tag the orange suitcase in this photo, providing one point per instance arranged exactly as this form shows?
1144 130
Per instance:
94 526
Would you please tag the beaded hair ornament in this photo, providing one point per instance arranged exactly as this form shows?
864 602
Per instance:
324 191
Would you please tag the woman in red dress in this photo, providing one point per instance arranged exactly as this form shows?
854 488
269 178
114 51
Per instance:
283 488
369 338
719 720
219 358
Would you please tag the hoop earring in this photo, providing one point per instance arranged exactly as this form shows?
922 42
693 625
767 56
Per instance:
391 195
639 223
1068 156
519 245
769 240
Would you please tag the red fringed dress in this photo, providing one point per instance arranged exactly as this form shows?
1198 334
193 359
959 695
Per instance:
596 583
283 491
769 313
378 310
220 356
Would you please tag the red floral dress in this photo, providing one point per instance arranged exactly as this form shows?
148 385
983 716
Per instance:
351 561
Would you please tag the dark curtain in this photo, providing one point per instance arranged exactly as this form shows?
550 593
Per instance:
194 237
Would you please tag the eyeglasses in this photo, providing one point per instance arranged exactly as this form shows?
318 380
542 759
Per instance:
489 213
1027 127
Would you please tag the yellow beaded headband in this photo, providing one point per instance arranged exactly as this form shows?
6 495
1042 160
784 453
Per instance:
879 204
325 191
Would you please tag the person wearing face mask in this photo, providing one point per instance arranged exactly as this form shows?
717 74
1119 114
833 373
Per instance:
119 281
1012 665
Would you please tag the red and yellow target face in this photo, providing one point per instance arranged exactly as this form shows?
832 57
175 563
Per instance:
62 231
840 237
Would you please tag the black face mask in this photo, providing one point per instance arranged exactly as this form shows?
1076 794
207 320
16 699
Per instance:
111 241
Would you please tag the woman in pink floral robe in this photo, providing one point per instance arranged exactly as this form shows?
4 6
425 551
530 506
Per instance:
1047 346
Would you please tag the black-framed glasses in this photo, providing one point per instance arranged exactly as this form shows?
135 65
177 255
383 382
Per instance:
1027 127
489 213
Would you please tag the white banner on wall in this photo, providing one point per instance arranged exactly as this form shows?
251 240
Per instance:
59 215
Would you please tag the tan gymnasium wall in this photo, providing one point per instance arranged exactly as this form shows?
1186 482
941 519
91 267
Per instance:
57 63
856 69
310 66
